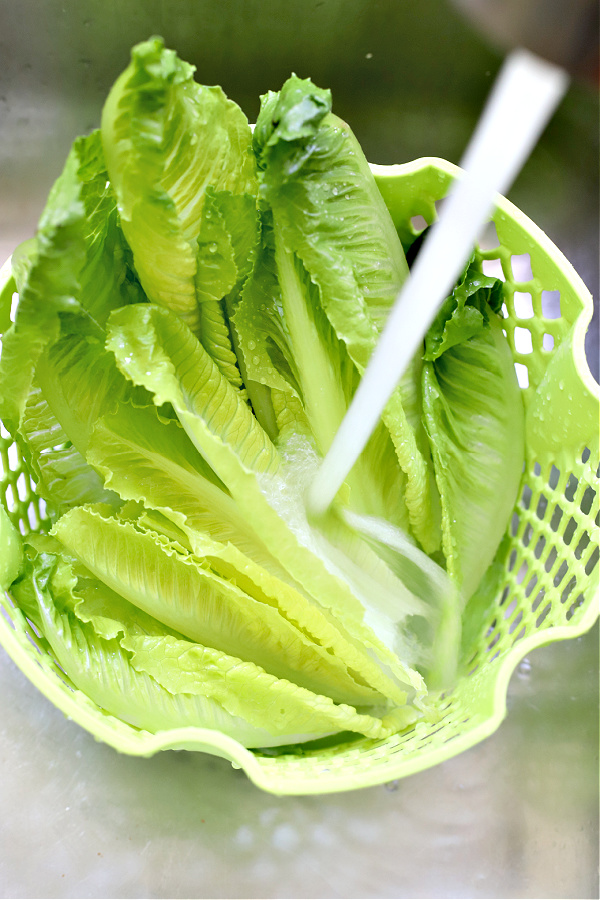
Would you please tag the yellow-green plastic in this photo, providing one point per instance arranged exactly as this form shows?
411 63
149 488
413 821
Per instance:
547 587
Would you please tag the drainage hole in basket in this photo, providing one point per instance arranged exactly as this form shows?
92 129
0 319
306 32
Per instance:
33 518
427 737
527 535
587 500
543 615
12 498
23 488
575 606
562 571
523 342
547 341
523 305
571 488
489 239
526 496
493 268
494 641
554 478
522 375
521 267
540 596
530 586
556 517
510 609
542 506
13 458
568 589
592 561
552 556
539 547
492 628
419 224
551 304
516 622
569 531
522 573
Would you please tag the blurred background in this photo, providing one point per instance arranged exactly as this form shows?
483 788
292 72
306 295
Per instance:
516 816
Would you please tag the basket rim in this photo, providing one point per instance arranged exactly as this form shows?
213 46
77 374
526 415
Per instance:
262 770
505 206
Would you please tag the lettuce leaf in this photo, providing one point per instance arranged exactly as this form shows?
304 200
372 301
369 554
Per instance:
166 140
195 314
150 676
473 413
12 551
330 220
141 339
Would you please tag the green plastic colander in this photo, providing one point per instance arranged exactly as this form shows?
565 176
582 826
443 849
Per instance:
547 564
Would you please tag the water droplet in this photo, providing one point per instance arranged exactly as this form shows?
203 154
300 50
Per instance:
334 192
392 786
212 248
256 360
251 345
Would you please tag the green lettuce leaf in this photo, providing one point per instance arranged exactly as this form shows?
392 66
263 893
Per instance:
195 314
102 668
97 636
179 589
69 279
465 313
49 288
167 139
141 339
63 477
473 413
329 214
11 559
205 518
156 350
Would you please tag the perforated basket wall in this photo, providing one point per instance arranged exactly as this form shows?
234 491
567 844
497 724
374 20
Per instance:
548 560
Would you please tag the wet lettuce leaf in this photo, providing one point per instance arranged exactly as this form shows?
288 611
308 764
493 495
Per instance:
195 313
335 243
473 414
167 139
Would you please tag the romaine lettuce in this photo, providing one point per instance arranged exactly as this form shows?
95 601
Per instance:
195 313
